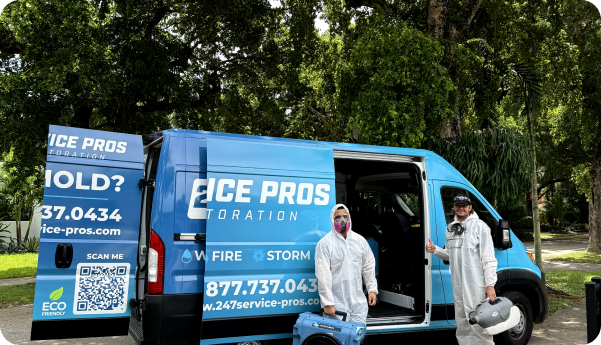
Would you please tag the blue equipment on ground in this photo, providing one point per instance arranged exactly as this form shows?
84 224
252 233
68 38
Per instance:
312 329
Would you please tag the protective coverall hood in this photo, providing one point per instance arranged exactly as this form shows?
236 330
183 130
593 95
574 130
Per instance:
332 221
341 267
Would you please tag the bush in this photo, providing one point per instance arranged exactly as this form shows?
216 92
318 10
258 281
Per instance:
547 228
11 248
31 245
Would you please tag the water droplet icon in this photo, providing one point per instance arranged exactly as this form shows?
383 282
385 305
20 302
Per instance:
186 257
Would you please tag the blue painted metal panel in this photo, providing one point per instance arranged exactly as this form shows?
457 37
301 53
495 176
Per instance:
91 201
182 161
266 210
437 167
438 296
517 257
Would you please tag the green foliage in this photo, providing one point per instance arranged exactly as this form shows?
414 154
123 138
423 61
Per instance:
23 189
497 162
391 86
31 245
13 247
16 295
581 178
559 209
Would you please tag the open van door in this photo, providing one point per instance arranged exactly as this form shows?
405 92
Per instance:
268 204
89 234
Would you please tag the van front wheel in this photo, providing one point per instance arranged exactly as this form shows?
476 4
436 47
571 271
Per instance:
521 333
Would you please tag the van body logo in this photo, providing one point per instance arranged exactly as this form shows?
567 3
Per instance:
186 256
259 255
240 191
56 294
54 308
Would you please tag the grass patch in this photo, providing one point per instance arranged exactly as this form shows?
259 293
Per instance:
579 256
18 265
550 236
558 303
571 282
16 294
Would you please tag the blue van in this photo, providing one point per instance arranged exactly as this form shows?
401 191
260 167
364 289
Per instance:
209 238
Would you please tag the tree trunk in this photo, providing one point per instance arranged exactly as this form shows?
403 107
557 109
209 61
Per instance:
451 130
29 225
594 205
18 225
437 17
538 260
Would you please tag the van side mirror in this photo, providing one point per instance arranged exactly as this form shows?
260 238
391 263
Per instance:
502 235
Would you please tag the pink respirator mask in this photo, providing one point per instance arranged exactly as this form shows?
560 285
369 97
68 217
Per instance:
338 226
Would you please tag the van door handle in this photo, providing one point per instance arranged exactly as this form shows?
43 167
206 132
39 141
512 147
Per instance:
63 255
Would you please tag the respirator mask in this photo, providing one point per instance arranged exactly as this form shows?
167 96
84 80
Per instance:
456 228
342 223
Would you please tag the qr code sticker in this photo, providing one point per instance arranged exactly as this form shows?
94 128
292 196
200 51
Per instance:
101 288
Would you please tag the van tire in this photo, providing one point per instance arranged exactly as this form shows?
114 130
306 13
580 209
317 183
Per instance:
519 335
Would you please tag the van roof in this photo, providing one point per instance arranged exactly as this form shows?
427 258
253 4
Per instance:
437 167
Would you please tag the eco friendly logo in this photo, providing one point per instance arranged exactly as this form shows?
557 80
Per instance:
54 308
56 294
259 255
186 256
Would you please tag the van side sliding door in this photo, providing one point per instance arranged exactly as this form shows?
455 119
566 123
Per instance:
268 205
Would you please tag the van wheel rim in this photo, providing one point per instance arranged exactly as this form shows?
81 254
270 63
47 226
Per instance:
518 330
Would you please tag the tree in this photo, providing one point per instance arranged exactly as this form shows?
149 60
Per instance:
132 66
24 193
496 161
386 85
559 209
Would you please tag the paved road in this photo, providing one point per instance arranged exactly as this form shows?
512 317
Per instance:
566 327
570 266
560 247
15 324
17 281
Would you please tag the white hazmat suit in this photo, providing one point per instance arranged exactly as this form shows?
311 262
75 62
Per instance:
473 267
339 266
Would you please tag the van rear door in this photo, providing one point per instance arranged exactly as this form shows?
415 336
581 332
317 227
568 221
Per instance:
268 205
89 234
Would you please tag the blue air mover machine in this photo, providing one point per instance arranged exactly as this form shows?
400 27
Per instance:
312 329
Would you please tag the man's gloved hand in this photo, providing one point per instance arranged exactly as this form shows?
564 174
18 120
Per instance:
329 310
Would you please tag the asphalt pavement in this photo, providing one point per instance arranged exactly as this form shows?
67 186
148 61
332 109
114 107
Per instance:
557 247
15 325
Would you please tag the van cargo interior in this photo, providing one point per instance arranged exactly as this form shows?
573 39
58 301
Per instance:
385 201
